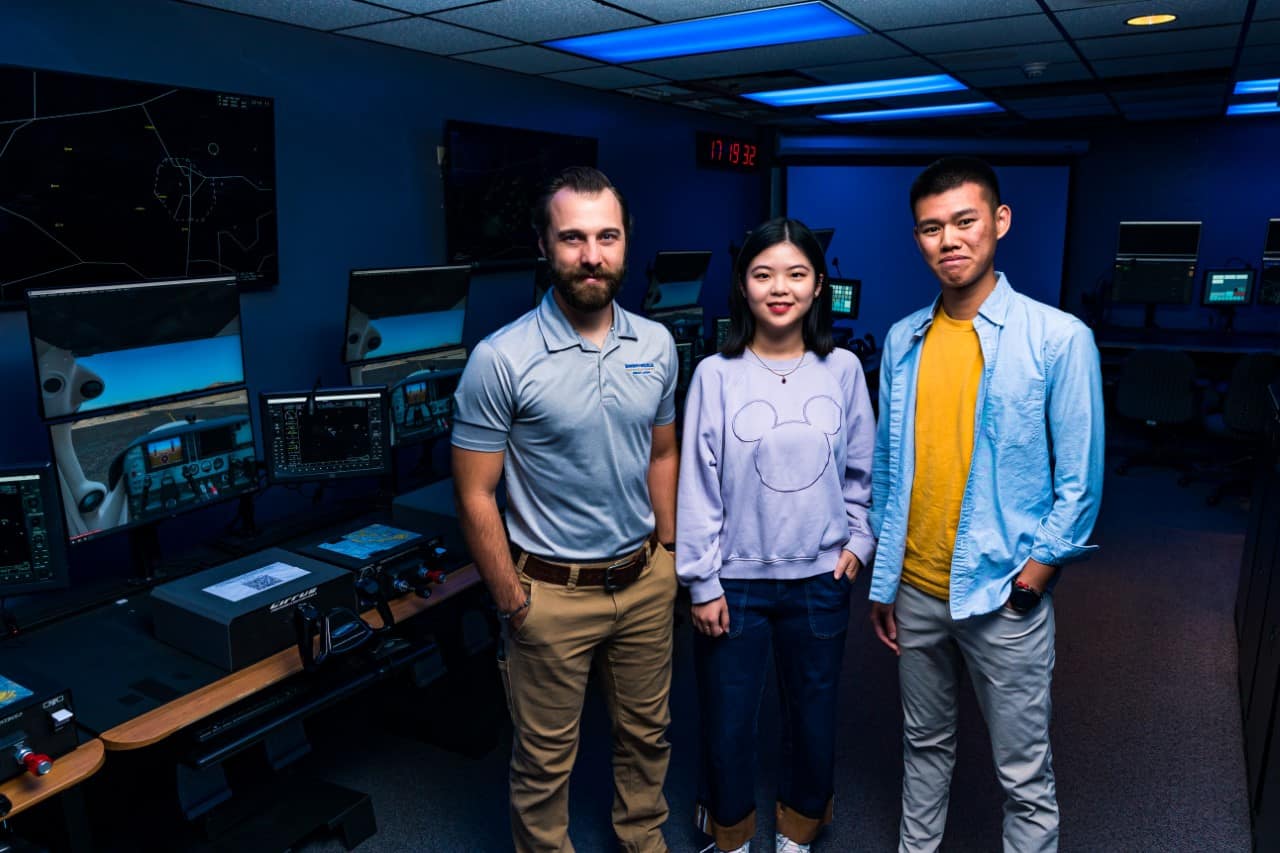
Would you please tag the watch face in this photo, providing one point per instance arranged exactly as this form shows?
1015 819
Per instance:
1023 600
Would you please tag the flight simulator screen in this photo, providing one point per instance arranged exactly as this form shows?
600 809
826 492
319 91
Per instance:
32 545
103 347
397 311
420 392
845 294
121 470
326 434
1228 287
1156 262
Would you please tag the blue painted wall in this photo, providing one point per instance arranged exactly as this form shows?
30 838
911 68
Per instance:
1223 172
357 128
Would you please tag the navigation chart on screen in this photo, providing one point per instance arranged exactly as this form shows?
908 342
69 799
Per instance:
107 180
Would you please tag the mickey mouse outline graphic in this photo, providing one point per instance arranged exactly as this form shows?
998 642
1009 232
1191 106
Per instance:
777 441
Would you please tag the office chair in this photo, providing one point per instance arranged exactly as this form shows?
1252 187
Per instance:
1157 389
1242 421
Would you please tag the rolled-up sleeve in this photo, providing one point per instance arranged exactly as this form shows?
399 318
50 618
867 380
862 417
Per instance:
1077 436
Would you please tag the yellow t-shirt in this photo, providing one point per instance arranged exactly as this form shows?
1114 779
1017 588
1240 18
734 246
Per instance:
946 395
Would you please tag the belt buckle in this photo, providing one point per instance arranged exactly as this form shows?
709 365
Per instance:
610 585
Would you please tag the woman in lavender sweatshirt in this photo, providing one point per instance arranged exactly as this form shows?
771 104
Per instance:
771 530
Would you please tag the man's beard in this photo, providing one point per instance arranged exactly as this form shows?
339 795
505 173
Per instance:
583 297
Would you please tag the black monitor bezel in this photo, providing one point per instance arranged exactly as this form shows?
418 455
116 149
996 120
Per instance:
856 301
268 458
74 541
346 315
1248 300
147 401
54 525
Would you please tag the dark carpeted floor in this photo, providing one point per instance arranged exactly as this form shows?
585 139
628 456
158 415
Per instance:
1146 727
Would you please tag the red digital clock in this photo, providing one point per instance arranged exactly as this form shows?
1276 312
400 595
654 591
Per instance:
718 151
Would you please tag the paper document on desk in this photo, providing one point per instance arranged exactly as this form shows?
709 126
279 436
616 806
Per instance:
256 581
369 540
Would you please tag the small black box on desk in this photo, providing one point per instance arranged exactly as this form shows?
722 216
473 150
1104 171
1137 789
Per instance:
241 612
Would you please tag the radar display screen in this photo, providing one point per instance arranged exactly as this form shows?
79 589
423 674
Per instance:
113 180
326 434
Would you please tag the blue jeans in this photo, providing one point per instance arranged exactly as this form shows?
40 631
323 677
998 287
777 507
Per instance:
805 622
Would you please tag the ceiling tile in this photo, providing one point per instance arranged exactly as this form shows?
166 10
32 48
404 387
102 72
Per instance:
1056 72
923 13
538 20
757 59
1163 64
1208 91
1027 29
1266 32
1006 57
1092 104
1173 109
1260 55
528 59
659 92
1265 10
679 10
1109 20
882 69
606 77
420 7
428 36
1145 44
317 14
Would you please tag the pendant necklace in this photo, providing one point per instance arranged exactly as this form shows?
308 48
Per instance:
783 374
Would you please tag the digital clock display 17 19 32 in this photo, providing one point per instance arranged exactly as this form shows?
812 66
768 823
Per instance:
717 151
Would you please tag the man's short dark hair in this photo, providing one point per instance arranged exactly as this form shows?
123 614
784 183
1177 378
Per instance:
580 179
948 173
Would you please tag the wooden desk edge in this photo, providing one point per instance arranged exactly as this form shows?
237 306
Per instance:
74 767
159 723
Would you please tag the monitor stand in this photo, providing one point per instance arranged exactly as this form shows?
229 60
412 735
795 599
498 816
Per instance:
1228 318
1149 316
144 548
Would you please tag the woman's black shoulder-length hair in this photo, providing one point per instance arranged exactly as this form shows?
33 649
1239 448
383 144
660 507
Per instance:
742 324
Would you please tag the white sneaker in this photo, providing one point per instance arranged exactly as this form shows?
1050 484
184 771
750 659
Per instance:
785 845
712 848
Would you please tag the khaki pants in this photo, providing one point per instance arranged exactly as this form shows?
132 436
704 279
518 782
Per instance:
627 634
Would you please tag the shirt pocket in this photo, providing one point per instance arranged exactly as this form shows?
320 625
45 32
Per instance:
1016 420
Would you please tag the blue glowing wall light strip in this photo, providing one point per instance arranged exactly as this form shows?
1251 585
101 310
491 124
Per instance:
761 28
1253 109
859 91
1257 87
917 112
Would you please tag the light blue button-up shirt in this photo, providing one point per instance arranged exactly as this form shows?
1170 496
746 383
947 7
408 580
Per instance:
1035 480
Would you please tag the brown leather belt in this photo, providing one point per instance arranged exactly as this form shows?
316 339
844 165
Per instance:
613 575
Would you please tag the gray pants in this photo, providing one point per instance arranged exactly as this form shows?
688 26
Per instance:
1010 661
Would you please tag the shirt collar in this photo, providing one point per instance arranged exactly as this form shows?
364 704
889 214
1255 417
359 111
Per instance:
558 333
994 308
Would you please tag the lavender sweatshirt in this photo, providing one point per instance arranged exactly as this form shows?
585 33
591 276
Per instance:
775 478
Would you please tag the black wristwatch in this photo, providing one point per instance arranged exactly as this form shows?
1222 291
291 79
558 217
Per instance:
1023 598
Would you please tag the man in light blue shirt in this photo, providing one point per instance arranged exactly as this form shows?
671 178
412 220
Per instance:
1025 509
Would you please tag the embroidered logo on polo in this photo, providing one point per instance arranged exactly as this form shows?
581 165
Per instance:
640 368
790 456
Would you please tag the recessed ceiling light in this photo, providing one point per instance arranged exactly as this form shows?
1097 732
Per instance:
974 108
1151 20
1257 87
1256 108
759 28
858 91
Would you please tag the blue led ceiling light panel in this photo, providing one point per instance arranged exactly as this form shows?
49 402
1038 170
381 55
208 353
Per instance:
780 25
858 91
1257 87
917 112
1253 109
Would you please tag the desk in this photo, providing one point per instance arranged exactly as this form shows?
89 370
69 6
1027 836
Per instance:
26 790
158 724
1187 340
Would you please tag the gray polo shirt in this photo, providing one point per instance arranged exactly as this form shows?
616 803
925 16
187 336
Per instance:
576 423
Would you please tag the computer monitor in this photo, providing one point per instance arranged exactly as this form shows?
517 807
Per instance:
128 468
1271 248
1269 286
110 346
325 434
420 392
825 236
1227 288
846 293
1155 263
33 547
410 309
675 280
723 324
